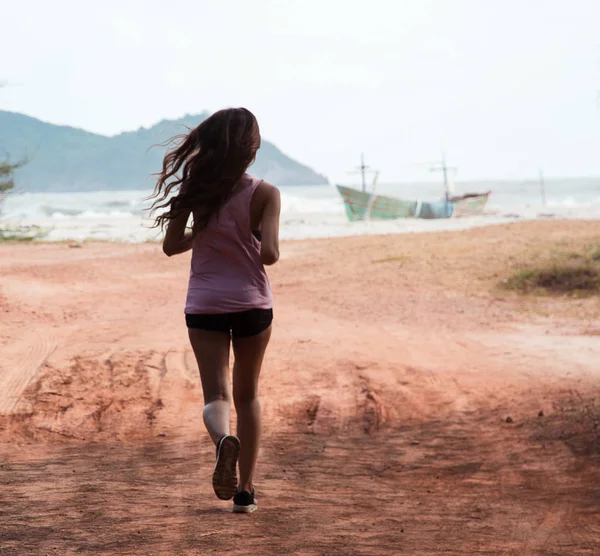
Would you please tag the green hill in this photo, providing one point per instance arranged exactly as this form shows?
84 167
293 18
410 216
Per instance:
64 158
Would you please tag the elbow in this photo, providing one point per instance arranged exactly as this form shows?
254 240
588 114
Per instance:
269 257
168 250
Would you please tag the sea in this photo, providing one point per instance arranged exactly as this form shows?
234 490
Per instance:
307 211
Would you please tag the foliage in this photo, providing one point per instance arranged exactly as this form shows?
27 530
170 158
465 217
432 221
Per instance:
565 273
6 181
21 233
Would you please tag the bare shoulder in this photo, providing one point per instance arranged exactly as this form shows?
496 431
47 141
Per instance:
266 198
265 193
267 190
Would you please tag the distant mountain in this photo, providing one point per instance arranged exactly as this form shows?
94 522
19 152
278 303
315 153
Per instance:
64 158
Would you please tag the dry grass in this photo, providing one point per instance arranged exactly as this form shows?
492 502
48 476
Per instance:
456 265
563 272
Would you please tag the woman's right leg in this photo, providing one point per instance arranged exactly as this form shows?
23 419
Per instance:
249 354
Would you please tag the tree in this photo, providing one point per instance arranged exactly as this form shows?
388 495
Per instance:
6 171
6 181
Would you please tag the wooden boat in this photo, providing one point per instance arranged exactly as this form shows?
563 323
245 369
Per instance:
470 204
365 205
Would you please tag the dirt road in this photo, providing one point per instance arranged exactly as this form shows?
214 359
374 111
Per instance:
395 365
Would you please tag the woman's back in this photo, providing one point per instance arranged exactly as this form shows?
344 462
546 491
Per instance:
226 273
229 302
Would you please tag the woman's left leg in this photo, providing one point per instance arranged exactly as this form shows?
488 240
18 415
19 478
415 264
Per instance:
212 354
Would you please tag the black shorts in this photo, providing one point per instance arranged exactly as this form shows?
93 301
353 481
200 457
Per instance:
239 325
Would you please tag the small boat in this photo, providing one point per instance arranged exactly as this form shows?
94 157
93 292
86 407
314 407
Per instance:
470 204
365 205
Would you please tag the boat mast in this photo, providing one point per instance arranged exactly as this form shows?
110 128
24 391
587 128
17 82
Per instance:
542 186
445 172
363 171
362 168
443 167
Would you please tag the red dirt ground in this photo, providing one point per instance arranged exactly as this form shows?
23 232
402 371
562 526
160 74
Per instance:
394 365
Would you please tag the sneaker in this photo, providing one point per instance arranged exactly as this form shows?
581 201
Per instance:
244 502
225 476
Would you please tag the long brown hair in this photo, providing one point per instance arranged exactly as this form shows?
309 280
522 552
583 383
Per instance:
212 159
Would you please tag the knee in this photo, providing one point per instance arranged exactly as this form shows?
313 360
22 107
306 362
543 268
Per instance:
244 397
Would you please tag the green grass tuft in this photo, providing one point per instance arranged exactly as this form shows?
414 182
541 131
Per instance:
21 234
580 279
568 273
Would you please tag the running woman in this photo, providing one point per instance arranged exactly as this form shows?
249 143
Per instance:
234 234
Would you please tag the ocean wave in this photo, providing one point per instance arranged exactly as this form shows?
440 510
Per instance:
292 204
306 213
110 214
92 214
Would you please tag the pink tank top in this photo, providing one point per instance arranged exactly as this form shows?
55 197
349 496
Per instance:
227 275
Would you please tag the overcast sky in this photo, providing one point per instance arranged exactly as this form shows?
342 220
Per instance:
503 85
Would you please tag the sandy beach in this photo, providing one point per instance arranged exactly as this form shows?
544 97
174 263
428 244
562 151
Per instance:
411 404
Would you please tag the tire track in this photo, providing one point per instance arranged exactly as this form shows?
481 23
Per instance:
26 359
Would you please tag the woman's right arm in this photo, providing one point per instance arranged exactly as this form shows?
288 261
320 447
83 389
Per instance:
269 225
177 240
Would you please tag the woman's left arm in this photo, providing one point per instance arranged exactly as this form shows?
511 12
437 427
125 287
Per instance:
177 240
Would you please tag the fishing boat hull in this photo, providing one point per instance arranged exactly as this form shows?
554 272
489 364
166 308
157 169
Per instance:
362 205
471 204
